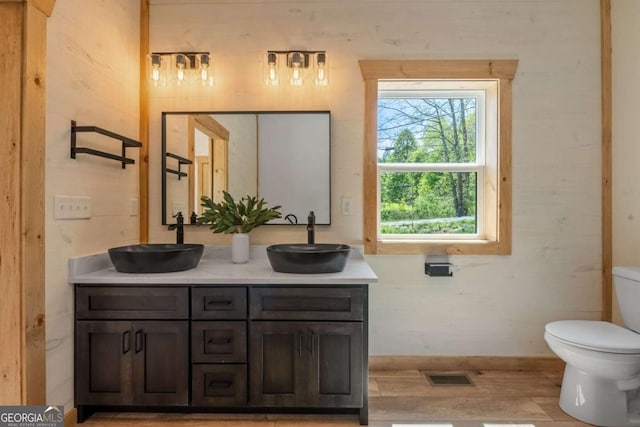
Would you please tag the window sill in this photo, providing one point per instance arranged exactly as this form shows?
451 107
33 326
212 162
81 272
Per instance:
449 247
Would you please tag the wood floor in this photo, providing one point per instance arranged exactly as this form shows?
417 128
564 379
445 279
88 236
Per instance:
405 397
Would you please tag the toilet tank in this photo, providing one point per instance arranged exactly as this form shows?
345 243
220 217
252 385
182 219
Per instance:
626 281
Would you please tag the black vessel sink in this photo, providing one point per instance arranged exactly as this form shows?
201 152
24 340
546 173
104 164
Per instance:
304 258
156 258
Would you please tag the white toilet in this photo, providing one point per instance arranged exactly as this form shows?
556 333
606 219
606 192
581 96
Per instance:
601 383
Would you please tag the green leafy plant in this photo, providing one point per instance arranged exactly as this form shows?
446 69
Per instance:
242 216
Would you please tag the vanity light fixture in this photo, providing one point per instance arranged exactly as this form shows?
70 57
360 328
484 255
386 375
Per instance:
183 68
298 65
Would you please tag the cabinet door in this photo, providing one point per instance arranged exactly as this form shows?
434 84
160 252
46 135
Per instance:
161 363
103 363
276 364
335 369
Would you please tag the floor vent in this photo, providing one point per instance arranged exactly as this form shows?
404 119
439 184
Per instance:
449 380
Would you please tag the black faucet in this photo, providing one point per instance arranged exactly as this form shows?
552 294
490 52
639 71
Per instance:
311 223
179 227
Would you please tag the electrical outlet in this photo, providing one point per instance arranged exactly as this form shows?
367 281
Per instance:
133 207
72 207
347 205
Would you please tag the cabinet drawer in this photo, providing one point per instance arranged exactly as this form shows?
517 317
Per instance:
307 303
219 303
219 342
219 385
97 302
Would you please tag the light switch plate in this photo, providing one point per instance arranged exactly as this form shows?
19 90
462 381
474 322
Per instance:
133 207
72 207
347 203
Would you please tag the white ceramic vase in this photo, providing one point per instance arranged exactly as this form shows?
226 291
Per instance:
240 248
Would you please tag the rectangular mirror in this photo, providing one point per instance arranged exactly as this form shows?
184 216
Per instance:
283 157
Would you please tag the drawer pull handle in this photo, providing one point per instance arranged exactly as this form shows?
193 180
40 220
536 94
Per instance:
126 342
220 384
219 302
219 341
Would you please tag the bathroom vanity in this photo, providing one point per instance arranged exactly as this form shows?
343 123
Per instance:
221 337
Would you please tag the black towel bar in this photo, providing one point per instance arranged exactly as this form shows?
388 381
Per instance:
181 161
126 142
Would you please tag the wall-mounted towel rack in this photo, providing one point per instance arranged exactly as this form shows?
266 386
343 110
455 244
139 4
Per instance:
126 142
181 161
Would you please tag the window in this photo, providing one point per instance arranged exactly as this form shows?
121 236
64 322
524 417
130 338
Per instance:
437 157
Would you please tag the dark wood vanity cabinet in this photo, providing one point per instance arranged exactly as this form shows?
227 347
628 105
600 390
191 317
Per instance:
132 363
203 346
131 347
306 364
219 346
307 347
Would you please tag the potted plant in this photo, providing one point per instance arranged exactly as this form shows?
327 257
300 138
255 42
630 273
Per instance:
237 218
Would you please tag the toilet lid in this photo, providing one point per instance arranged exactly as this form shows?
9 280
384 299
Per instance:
603 336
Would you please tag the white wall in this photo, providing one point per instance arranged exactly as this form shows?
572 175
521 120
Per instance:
494 305
242 149
92 77
625 16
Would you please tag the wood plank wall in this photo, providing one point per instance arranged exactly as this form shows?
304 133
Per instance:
11 15
22 126
607 167
144 123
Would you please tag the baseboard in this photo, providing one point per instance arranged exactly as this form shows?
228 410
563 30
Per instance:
70 418
453 363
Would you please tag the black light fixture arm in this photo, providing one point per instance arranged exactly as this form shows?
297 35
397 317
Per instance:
304 55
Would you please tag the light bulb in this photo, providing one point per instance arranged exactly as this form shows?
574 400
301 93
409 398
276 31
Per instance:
321 72
181 61
272 70
204 67
156 63
296 77
296 62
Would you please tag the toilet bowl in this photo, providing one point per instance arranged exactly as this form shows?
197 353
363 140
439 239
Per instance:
601 383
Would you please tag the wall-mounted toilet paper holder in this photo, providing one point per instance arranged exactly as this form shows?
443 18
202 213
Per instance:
438 266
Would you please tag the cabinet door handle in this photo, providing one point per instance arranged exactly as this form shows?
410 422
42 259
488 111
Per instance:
126 342
139 341
219 341
299 343
313 341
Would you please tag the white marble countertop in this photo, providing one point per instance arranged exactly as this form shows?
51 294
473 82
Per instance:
216 267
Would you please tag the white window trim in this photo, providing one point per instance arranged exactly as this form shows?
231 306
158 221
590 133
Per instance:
441 90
